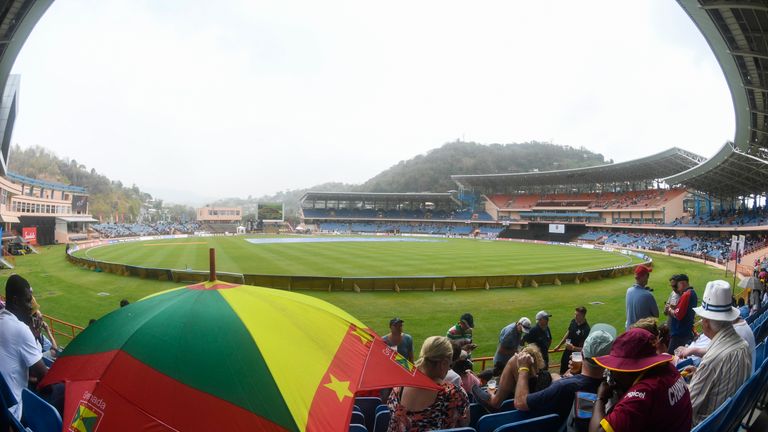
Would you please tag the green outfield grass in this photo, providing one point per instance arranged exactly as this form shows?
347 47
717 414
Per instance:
72 294
445 257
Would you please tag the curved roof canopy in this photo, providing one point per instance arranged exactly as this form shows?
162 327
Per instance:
17 18
641 170
378 196
737 32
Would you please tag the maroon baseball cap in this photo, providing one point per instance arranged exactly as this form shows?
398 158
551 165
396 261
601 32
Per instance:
634 351
641 269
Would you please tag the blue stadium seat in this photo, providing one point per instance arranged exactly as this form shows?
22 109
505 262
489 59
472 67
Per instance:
38 414
460 429
368 408
381 423
490 422
507 405
713 422
357 428
8 420
357 418
382 407
547 423
476 411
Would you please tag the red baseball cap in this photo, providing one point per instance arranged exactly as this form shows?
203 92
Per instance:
641 269
634 351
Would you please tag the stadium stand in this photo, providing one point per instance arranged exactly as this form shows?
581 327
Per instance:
113 230
395 213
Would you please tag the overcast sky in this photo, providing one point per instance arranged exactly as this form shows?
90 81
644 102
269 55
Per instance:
194 100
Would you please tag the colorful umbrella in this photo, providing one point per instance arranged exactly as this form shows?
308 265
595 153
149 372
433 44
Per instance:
218 356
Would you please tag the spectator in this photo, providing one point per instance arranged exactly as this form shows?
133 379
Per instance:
743 329
463 368
538 379
640 302
461 333
20 354
485 376
682 315
671 302
541 335
399 341
558 398
743 308
416 409
452 376
574 337
651 393
510 338
727 363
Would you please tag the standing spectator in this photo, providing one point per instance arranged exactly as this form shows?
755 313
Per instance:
574 338
671 302
461 333
541 335
681 317
416 409
510 338
640 302
652 396
727 362
20 355
399 341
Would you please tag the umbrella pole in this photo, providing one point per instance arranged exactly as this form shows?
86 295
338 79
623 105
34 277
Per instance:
212 263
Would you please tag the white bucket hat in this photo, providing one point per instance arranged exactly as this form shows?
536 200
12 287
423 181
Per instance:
716 303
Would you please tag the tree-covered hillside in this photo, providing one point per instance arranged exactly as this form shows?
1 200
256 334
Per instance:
431 172
107 197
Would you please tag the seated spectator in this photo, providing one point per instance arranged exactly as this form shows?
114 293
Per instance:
649 324
538 377
651 394
20 354
398 340
463 368
727 363
416 409
743 308
485 376
558 398
510 339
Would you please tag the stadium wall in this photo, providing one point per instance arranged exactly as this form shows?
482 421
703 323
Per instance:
351 284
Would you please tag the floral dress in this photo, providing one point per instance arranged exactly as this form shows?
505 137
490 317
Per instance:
450 406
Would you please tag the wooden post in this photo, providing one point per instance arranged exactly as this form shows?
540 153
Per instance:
212 263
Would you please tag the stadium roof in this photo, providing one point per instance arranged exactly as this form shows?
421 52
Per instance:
379 196
17 18
737 32
18 178
649 168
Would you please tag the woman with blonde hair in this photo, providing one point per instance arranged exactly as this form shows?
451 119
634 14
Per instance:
540 378
415 409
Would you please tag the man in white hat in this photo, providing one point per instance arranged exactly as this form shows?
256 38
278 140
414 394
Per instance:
510 338
541 335
727 363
